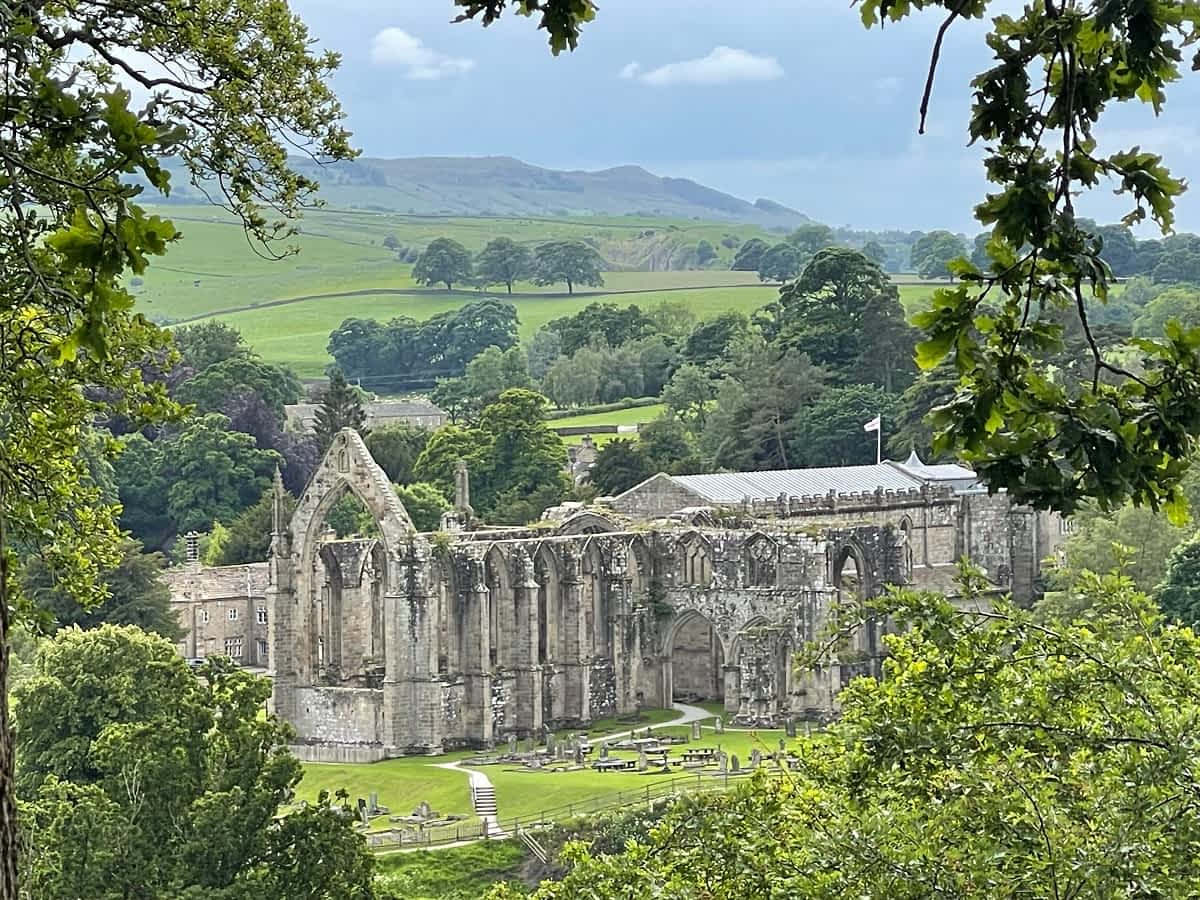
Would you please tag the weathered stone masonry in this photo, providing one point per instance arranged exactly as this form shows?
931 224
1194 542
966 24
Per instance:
416 643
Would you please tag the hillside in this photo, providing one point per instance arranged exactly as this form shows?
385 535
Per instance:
502 186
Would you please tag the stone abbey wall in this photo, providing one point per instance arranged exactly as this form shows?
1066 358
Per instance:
416 643
410 643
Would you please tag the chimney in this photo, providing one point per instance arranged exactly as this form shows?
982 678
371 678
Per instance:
192 542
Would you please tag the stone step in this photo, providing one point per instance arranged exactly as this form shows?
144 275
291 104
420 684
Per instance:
485 801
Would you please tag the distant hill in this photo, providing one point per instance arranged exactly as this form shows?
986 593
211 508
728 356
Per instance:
502 186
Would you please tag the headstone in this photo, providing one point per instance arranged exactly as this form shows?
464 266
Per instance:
512 745
530 745
697 731
373 804
755 758
790 724
734 764
722 762
641 761
362 811
782 744
551 742
604 751
423 810
578 754
718 725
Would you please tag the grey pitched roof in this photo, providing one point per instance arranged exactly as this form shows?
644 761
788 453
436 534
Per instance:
732 487
959 477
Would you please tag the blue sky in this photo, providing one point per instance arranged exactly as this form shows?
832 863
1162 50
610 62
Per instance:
787 99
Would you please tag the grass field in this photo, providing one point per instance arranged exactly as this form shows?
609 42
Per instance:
297 334
633 416
455 873
400 783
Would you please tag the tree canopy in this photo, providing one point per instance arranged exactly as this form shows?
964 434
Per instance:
503 261
138 778
573 262
444 261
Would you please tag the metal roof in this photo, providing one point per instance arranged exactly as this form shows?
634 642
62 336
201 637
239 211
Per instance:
958 476
733 487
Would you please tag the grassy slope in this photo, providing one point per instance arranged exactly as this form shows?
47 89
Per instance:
634 416
454 873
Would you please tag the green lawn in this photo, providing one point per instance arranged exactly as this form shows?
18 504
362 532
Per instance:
455 873
401 784
635 415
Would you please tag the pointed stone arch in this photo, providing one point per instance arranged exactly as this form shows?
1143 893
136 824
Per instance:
695 654
588 522
695 560
761 561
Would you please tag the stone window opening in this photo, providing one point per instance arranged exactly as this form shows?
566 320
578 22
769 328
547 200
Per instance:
204 616
262 615
233 614
233 647
761 562
697 567
906 548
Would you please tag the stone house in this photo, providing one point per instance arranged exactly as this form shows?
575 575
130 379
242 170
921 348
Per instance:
222 609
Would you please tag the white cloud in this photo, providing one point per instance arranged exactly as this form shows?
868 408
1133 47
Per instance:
724 65
396 47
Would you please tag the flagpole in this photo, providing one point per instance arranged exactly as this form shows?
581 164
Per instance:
879 442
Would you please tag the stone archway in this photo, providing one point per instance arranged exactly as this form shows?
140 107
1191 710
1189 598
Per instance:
858 653
695 657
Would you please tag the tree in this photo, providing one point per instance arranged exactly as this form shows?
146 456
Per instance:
668 446
208 343
672 319
571 261
363 347
450 340
912 429
829 432
1179 303
780 263
1179 593
710 340
619 465
340 408
810 239
449 444
749 255
444 261
975 739
213 389
396 448
543 350
705 252
932 254
1175 268
494 371
875 251
524 456
845 313
220 89
136 595
689 393
605 322
391 242
425 504
213 473
142 488
249 535
138 778
503 261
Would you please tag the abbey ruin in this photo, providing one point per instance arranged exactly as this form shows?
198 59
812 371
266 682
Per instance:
684 587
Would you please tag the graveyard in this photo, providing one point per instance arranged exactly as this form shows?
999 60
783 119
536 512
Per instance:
565 774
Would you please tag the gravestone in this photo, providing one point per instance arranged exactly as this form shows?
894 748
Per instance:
578 754
423 810
755 759
697 731
551 743
362 811
530 745
782 744
734 764
641 761
373 804
604 751
718 725
560 752
722 762
790 724
512 745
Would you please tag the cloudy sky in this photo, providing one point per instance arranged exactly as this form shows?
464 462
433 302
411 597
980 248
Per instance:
787 99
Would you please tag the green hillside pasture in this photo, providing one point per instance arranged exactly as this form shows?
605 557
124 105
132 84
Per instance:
400 783
635 415
450 873
296 334
213 266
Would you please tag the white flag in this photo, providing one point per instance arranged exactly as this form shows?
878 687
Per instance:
873 425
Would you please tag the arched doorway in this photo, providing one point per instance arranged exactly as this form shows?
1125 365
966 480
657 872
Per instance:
859 652
697 660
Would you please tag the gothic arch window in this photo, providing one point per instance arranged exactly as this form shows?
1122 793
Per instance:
697 564
762 562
